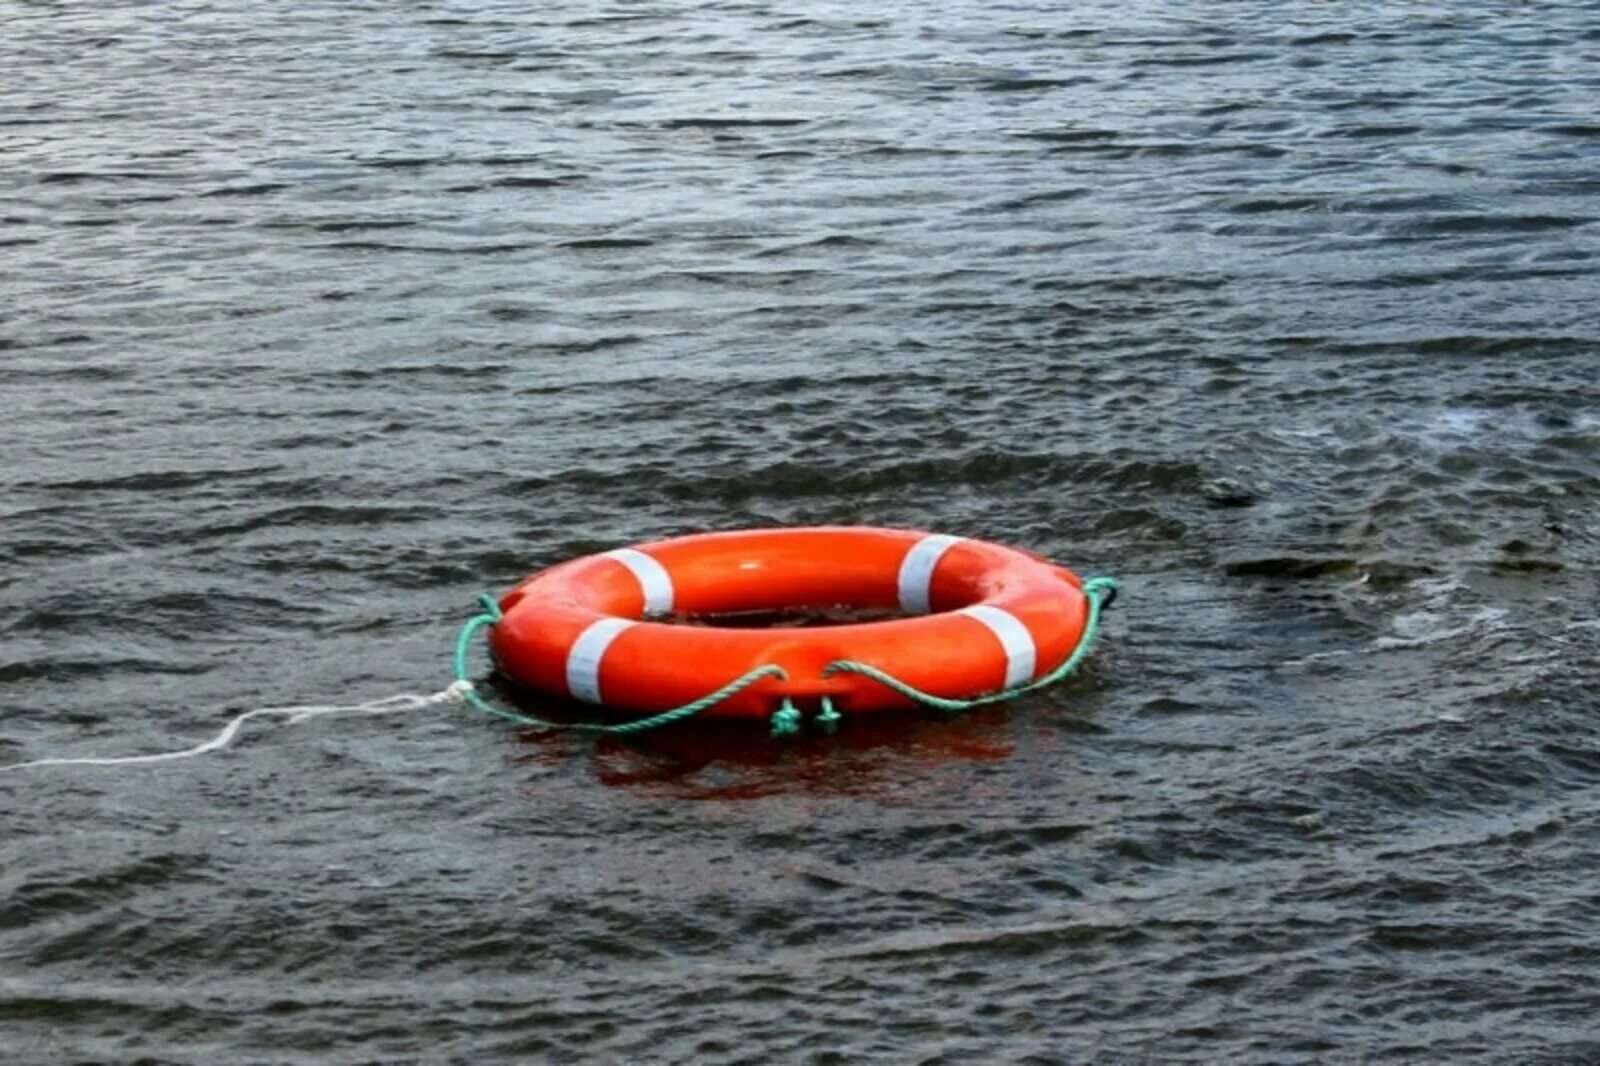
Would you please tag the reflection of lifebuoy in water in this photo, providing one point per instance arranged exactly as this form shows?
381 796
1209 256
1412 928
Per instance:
980 618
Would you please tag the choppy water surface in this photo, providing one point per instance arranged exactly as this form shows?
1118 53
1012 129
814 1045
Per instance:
319 319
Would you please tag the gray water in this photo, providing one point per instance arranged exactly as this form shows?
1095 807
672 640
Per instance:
317 320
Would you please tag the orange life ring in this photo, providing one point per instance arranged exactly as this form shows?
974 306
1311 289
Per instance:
982 618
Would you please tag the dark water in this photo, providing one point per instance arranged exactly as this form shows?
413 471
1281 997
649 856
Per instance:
318 319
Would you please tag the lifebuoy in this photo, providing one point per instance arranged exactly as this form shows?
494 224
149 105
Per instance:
979 618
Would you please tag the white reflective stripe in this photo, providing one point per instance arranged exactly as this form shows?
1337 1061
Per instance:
654 580
583 661
916 571
1014 638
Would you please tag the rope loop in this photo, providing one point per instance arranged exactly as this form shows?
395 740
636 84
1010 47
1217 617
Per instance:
491 608
1098 592
464 690
1104 589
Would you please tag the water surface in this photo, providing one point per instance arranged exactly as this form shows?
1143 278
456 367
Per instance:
318 320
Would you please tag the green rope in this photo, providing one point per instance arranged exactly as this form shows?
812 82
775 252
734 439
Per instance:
1098 591
828 718
469 694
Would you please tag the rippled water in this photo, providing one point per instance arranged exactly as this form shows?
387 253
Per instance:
316 320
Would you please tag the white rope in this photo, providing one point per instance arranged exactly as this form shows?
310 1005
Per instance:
295 715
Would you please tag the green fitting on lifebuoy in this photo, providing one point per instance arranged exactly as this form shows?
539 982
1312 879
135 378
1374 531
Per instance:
829 717
786 720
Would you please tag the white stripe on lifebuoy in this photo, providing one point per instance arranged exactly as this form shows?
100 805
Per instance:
1021 654
654 581
916 571
583 661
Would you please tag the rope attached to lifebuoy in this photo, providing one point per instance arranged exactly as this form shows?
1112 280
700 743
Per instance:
787 720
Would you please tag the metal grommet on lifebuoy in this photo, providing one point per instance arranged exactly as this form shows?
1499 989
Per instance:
976 620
